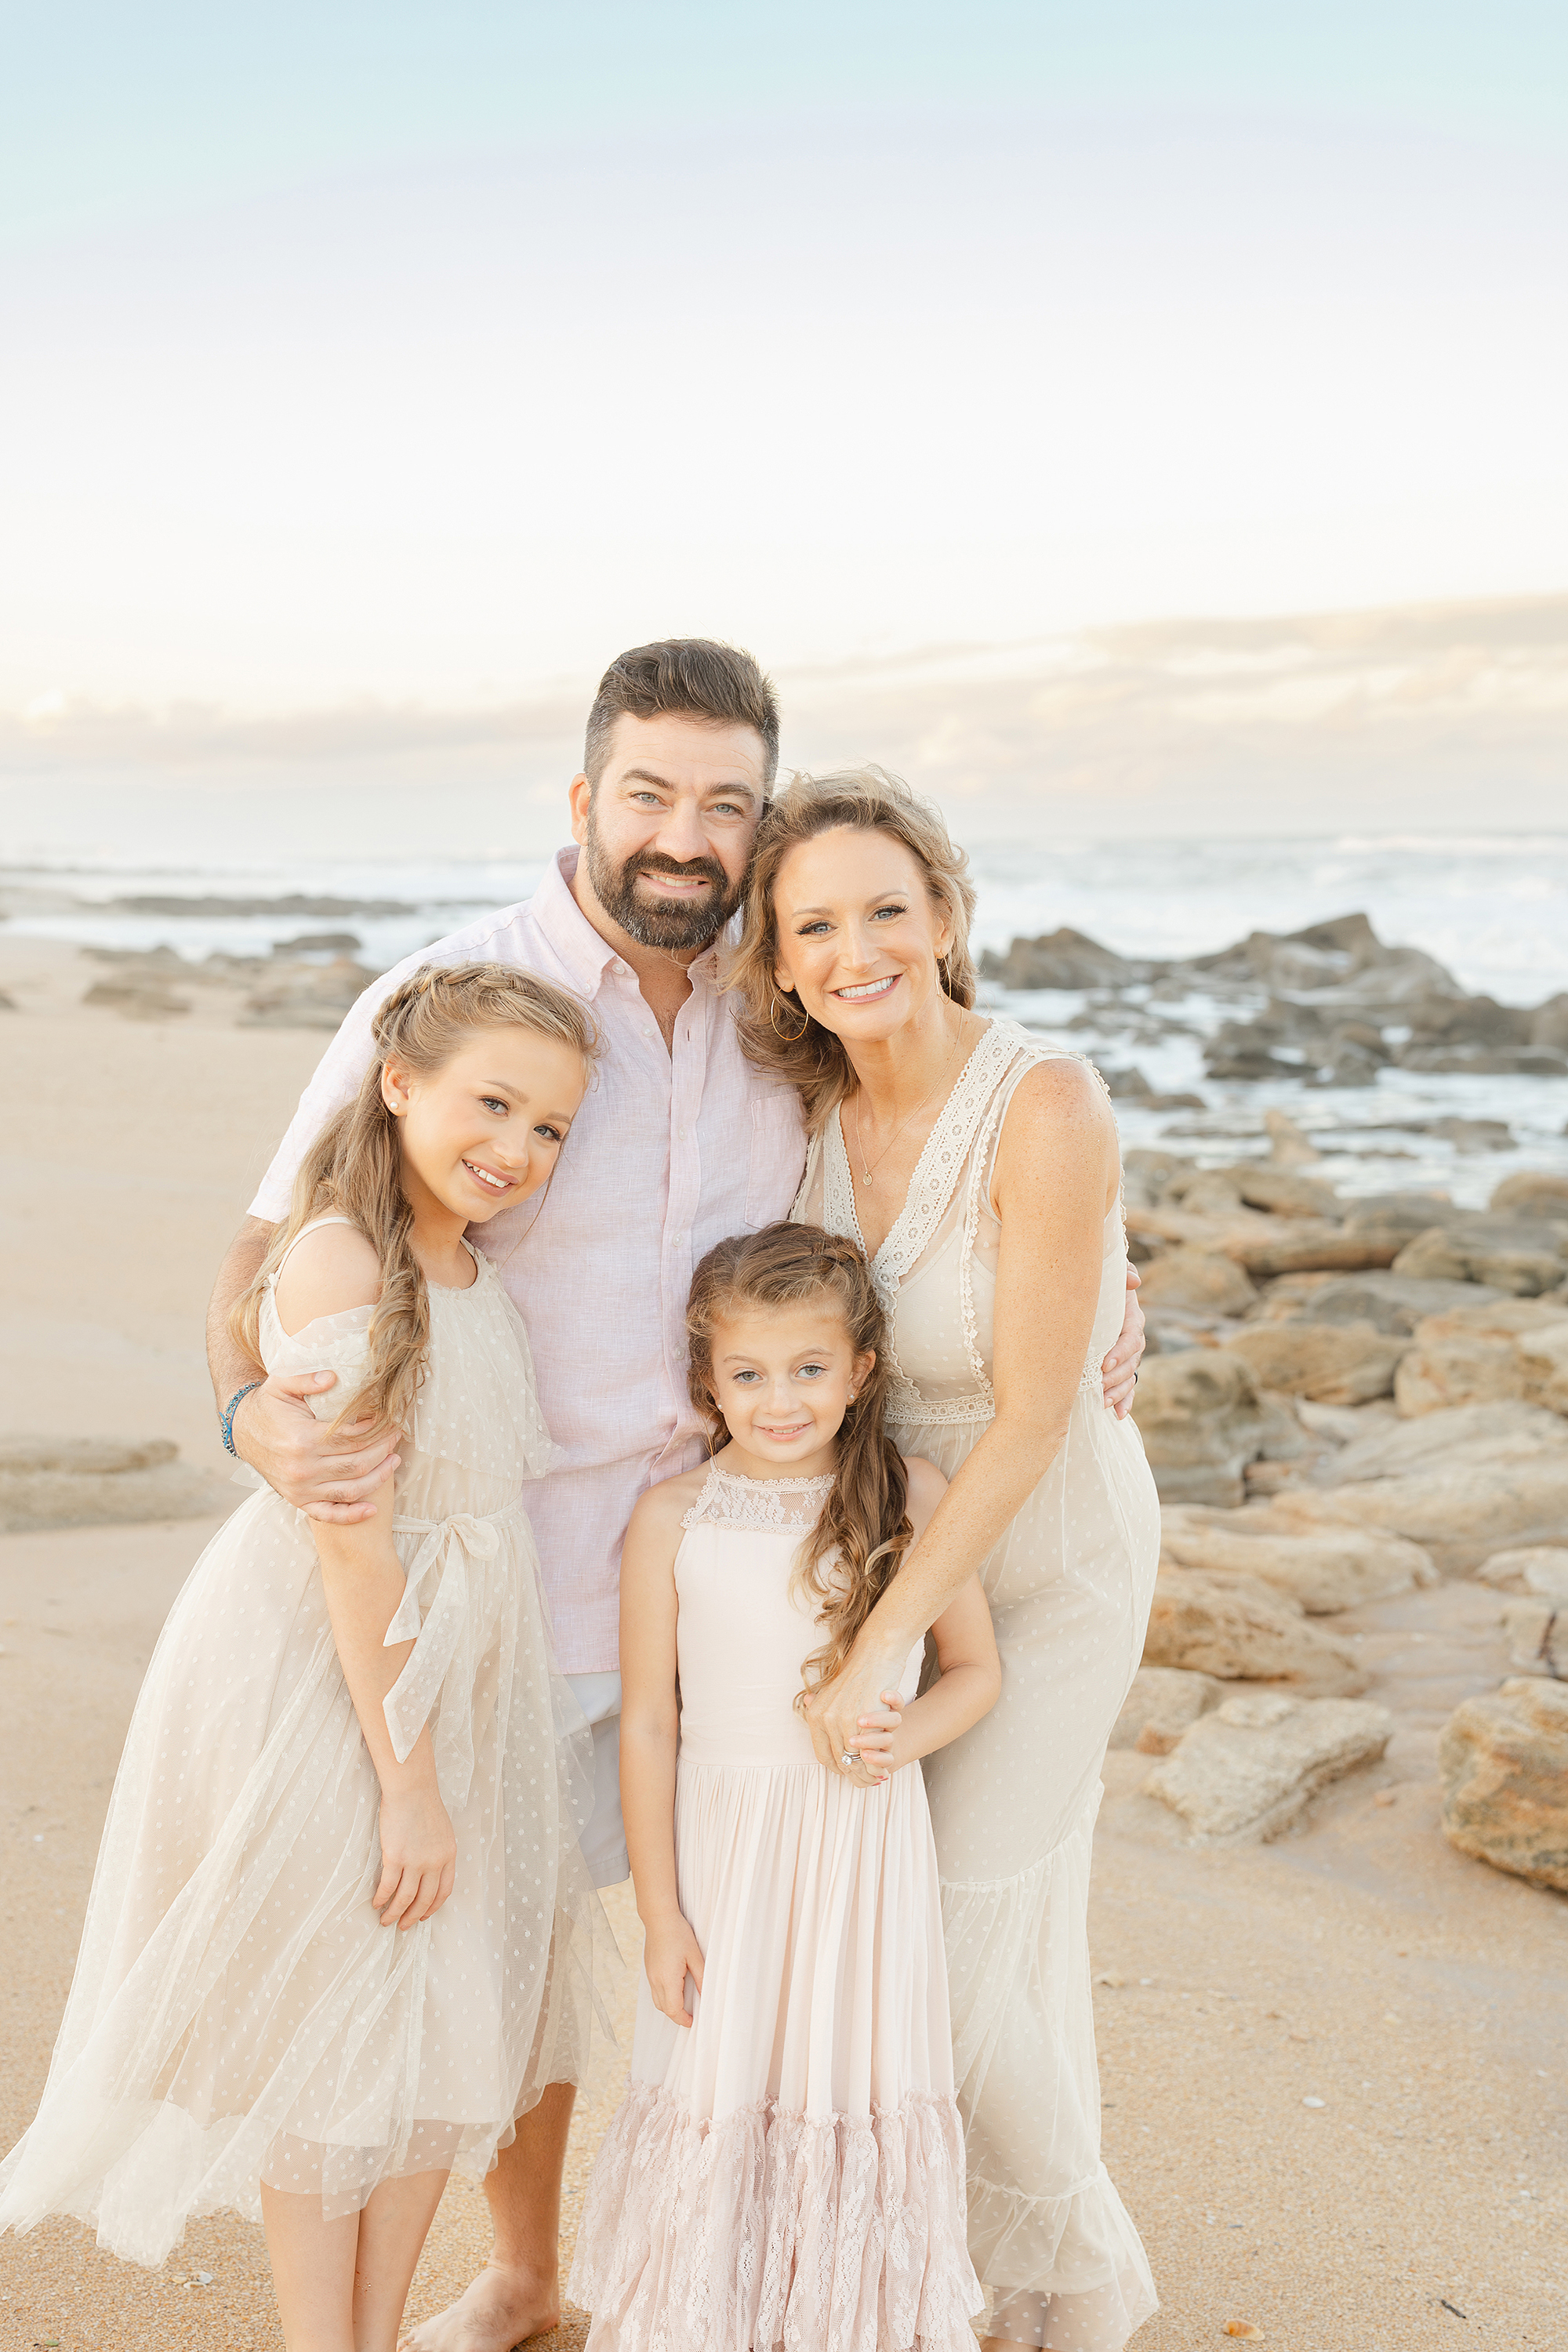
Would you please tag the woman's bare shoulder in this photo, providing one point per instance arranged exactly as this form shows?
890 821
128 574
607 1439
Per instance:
330 1271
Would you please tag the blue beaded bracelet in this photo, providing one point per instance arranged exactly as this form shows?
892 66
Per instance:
226 1419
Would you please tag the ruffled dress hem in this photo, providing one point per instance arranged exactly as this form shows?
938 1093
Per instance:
771 2229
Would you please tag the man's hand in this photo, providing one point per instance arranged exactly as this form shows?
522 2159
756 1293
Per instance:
328 1475
671 1953
1121 1366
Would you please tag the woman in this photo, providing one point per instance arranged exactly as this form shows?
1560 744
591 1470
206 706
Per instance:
979 1170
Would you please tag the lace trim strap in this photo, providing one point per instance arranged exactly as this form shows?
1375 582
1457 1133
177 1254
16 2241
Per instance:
763 1503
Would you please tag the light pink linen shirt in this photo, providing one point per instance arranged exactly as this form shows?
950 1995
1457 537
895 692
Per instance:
670 1152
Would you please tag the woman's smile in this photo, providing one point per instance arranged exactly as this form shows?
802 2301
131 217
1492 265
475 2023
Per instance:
867 991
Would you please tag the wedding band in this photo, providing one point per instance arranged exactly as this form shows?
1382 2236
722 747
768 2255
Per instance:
849 1759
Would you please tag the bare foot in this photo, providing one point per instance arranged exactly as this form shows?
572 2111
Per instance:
502 2308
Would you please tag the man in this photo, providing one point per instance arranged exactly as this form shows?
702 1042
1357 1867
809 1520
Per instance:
678 1143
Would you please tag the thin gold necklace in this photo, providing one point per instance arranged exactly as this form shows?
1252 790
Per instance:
867 1172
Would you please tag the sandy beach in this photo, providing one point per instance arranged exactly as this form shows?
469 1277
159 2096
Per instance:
1334 2066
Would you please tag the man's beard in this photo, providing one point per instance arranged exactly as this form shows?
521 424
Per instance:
667 922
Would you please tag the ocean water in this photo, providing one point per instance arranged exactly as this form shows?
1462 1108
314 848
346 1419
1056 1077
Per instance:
1493 908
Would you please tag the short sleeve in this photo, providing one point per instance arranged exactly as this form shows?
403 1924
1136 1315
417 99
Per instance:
332 1343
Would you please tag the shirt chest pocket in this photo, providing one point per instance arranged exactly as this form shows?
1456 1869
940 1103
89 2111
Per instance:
777 1155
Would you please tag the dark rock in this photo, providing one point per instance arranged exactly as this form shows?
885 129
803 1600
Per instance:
1549 1024
1532 1194
1401 1215
306 995
1522 1255
1387 1301
331 942
293 903
1063 958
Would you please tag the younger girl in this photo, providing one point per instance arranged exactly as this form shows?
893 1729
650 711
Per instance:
787 2166
336 1936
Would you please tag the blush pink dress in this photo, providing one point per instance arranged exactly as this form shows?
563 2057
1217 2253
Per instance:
789 2169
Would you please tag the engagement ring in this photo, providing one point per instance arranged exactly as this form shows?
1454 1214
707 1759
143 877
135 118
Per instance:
849 1762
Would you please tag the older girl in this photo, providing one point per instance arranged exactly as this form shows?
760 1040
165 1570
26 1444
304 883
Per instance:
979 1169
336 1938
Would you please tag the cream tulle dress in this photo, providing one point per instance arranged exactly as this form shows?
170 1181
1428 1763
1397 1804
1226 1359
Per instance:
1013 1801
238 2013
788 2170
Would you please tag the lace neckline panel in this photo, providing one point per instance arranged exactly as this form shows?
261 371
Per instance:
767 1504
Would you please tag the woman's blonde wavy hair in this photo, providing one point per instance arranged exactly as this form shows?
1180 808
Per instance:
865 1522
356 1165
776 1032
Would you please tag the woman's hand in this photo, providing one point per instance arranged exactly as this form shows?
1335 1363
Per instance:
833 1712
671 1953
418 1857
880 1749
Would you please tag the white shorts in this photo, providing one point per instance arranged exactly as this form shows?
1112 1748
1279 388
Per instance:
604 1839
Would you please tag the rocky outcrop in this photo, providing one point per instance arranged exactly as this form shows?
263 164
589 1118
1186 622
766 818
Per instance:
1162 1704
1539 1568
1532 1192
305 995
1447 1440
1064 959
1236 1628
1332 1363
1196 1282
1504 1762
1202 1420
76 1482
1520 1256
1460 1513
1247 1771
1537 1634
1512 1349
1389 1302
1332 1568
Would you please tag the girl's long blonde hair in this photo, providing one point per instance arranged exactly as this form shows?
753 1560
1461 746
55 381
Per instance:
776 1032
865 1520
356 1165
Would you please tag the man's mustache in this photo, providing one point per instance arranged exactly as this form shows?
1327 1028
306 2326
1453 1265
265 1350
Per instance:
709 868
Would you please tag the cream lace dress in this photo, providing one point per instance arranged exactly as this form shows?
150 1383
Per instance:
1013 1801
788 2170
238 2013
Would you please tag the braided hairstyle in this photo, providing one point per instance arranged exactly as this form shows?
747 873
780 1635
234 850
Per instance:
853 1551
356 1165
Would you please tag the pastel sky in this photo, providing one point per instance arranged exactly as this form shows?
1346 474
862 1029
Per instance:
415 359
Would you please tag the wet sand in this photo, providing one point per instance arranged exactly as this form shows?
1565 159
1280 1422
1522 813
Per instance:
1420 1996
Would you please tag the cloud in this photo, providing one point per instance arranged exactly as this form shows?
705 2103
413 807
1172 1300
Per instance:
1412 714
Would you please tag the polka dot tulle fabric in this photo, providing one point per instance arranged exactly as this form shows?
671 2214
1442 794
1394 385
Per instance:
239 2014
1013 1802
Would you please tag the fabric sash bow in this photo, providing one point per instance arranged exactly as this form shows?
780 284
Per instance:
449 1642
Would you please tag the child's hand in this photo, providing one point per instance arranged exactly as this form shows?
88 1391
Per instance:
418 1857
878 1740
670 1954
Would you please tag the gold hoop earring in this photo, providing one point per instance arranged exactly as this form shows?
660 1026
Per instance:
788 1038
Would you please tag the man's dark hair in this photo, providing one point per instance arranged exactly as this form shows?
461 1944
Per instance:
690 678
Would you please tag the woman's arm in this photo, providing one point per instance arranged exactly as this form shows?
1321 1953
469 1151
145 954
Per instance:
331 1271
650 1730
1056 1174
969 1686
